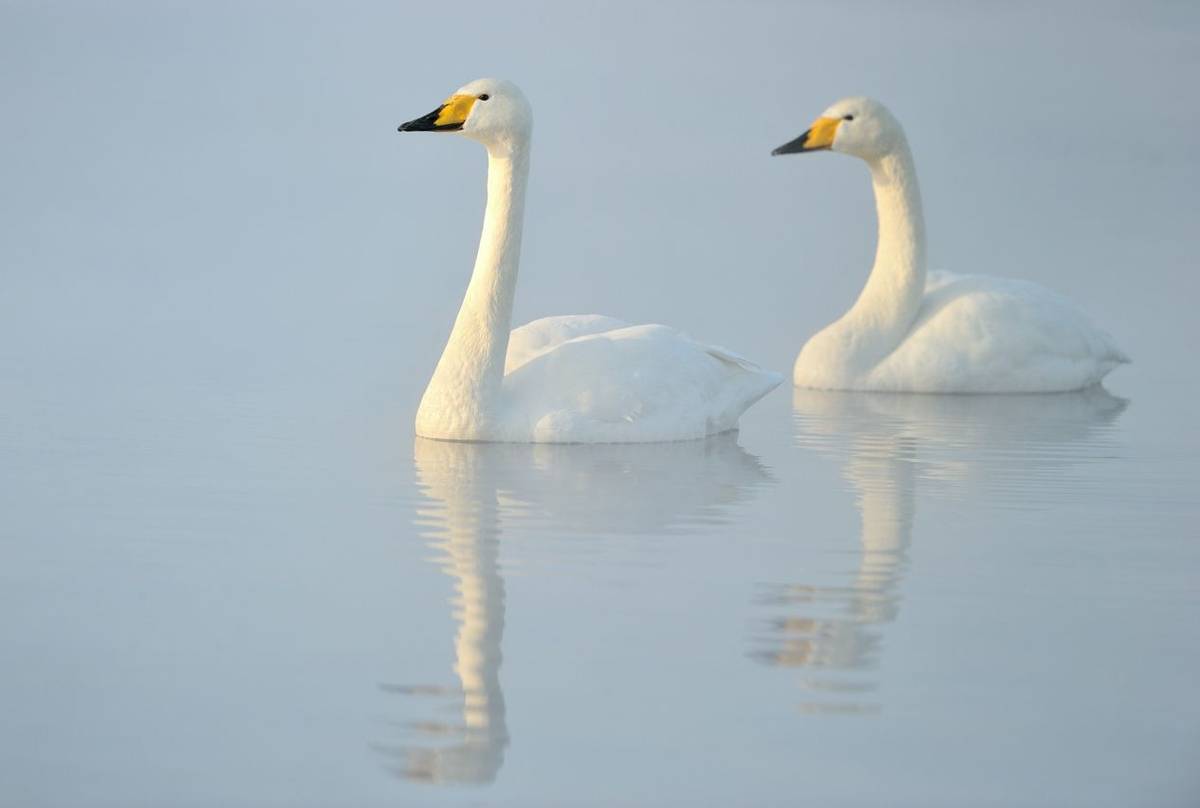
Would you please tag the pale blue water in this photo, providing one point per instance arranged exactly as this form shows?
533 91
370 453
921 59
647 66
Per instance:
229 575
859 600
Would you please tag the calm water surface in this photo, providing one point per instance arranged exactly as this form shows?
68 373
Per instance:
859 599
229 575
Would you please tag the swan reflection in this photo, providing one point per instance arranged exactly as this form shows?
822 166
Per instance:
473 493
1003 451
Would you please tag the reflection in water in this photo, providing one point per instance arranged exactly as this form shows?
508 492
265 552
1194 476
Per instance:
465 526
1006 450
474 492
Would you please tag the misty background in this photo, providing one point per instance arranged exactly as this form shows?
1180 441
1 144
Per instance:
218 192
225 279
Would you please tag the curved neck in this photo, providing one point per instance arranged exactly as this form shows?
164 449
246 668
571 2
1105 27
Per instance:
887 305
472 365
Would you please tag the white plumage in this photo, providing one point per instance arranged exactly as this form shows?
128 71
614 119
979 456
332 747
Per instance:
983 334
937 333
623 383
573 379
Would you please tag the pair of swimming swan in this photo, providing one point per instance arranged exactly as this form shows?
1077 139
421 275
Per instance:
596 379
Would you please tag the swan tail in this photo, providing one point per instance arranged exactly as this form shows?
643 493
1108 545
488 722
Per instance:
732 358
767 380
1113 356
754 383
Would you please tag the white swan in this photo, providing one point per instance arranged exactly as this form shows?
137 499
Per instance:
909 332
575 379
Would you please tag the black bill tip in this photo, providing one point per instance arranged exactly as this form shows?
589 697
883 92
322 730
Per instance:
794 146
428 123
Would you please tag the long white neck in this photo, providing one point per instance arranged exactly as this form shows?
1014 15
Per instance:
464 389
887 305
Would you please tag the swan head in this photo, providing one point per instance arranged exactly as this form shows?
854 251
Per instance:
859 126
490 111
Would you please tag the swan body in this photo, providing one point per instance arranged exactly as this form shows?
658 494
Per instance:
914 331
573 379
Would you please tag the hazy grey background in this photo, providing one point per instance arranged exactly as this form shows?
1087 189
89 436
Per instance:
219 190
225 278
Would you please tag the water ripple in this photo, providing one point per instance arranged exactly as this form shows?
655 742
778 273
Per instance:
473 495
1020 452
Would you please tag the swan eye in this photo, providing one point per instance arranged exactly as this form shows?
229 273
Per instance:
484 96
847 117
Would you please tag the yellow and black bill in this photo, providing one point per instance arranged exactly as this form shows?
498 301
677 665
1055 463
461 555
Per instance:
449 117
818 138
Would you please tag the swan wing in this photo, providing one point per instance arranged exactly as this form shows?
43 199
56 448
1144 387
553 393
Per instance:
976 333
631 384
539 336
